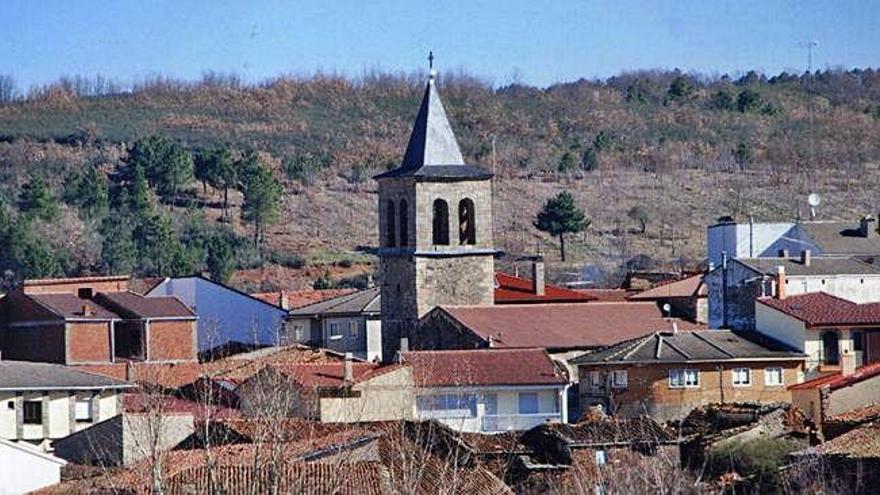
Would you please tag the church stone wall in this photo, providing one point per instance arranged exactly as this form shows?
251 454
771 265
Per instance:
479 191
460 280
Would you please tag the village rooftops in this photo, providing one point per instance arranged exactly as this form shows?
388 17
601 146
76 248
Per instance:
862 442
293 299
561 326
687 287
692 347
22 376
483 368
820 309
834 381
512 289
100 306
359 303
817 266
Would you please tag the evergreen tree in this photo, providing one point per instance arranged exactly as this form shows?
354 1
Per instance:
36 199
218 168
87 190
262 198
118 250
167 165
561 216
220 258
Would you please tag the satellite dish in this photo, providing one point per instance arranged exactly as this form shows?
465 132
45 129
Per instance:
814 200
667 308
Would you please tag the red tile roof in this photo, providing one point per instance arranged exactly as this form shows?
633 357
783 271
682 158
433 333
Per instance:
836 380
483 367
324 375
299 298
608 295
142 403
70 306
686 287
859 443
857 416
823 309
511 289
596 324
138 306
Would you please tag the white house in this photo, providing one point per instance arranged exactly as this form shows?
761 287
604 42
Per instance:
41 401
226 316
25 468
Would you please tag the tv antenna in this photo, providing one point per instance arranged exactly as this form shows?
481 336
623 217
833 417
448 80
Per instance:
814 200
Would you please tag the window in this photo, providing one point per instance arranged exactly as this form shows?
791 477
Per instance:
404 223
389 223
353 328
601 457
858 338
84 409
773 377
618 379
449 405
441 223
742 377
528 403
683 378
830 348
595 379
335 331
33 412
467 231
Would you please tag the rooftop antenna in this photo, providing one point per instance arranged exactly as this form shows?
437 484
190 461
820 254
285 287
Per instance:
810 45
814 200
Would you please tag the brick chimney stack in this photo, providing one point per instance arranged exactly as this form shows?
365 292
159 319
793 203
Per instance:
348 377
780 282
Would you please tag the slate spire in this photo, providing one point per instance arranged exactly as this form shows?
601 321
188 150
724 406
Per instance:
432 141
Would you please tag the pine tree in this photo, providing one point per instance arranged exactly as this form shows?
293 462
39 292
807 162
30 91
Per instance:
36 199
262 199
561 216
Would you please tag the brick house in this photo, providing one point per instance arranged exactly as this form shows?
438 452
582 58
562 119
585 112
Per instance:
94 321
667 374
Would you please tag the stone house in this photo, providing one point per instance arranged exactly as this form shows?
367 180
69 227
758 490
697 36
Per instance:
734 285
94 321
687 298
832 395
41 402
667 374
226 316
823 326
347 323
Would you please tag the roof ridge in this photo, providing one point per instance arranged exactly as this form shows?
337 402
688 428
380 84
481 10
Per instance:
712 344
675 348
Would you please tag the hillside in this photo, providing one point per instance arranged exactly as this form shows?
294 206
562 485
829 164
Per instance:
688 148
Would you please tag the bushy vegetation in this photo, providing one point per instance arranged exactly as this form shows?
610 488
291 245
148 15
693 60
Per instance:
758 460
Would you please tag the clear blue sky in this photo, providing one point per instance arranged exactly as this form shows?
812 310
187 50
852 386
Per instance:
541 41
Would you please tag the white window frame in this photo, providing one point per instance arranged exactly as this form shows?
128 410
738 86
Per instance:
619 379
353 328
683 380
735 380
595 379
768 372
333 331
83 410
601 457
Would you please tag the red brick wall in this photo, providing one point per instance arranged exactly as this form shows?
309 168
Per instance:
43 343
88 342
73 285
171 340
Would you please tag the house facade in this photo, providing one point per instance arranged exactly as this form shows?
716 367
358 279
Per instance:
94 321
24 468
348 323
41 402
226 315
735 284
687 298
822 326
666 375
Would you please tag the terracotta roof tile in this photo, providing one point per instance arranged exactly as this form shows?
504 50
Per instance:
483 367
298 298
596 324
859 443
512 289
860 415
71 307
323 375
133 305
608 295
836 380
823 309
687 287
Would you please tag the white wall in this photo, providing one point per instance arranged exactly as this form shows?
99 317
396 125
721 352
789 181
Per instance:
374 340
856 288
23 470
742 241
224 314
59 414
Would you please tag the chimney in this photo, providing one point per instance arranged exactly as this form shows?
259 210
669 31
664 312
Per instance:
86 310
783 253
538 276
348 377
806 257
780 282
282 300
847 363
404 344
867 227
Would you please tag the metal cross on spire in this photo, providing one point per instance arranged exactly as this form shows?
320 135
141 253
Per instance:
431 60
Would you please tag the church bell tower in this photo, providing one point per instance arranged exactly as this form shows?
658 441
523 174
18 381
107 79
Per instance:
435 228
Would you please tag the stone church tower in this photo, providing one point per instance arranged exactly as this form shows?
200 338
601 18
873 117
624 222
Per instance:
435 228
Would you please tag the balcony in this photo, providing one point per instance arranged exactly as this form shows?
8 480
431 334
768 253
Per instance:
516 422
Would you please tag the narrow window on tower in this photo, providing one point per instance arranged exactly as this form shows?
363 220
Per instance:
441 222
404 224
389 223
467 232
